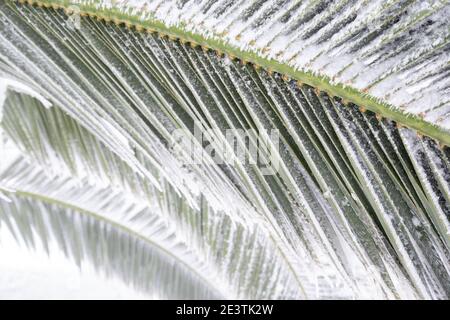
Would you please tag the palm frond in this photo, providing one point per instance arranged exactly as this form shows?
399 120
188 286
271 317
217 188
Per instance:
389 56
356 200
216 239
122 237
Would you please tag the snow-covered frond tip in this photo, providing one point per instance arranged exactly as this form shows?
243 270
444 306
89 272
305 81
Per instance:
394 53
118 236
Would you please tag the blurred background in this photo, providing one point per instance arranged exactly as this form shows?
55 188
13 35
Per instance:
32 274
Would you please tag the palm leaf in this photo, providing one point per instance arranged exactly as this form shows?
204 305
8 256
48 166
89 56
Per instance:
357 202
213 238
389 57
106 229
